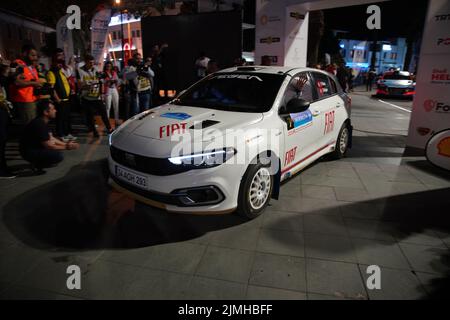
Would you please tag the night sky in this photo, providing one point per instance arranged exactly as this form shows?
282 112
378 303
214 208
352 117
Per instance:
398 18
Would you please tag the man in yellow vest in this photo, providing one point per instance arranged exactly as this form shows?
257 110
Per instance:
57 79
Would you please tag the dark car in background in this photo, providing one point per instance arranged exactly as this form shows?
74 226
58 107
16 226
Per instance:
396 84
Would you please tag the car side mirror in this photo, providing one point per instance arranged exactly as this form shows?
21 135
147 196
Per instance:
296 105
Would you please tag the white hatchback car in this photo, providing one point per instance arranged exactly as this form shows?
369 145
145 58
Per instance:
227 142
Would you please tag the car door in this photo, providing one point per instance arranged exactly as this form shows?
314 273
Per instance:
301 129
326 109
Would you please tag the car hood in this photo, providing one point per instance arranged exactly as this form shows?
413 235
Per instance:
398 83
164 122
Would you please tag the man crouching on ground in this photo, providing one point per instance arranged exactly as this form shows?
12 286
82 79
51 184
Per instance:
38 146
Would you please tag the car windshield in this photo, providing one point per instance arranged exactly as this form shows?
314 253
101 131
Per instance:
237 92
396 77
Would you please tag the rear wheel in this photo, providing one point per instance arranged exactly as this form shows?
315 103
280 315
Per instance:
342 143
255 191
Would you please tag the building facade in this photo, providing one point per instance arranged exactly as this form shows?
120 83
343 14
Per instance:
389 54
17 30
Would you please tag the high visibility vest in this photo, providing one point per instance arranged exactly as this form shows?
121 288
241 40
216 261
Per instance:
24 94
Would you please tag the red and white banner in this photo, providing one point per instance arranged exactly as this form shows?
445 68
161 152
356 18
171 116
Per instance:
431 107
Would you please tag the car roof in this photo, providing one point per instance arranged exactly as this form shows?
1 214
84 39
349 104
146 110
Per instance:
271 70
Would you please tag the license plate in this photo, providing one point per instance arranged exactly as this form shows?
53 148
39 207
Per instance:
131 178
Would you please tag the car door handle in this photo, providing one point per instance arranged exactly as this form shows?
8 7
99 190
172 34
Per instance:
315 113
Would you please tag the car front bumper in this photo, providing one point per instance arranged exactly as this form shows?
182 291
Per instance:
169 192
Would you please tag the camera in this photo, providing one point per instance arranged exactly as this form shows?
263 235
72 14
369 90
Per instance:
100 75
45 91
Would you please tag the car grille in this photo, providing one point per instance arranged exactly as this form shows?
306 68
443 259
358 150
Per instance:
152 166
396 91
158 197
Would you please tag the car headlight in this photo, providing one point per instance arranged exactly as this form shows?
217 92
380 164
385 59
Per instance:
110 139
207 159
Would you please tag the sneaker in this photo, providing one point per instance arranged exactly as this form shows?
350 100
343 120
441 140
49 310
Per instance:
64 139
7 175
37 171
71 137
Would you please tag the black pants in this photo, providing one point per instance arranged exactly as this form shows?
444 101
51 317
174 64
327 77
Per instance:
90 107
42 158
4 124
63 119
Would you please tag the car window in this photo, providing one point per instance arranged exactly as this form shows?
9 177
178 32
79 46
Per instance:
322 84
334 88
396 77
238 92
299 87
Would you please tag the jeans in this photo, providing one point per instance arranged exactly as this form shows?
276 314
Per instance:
90 108
112 97
140 102
63 118
26 110
42 158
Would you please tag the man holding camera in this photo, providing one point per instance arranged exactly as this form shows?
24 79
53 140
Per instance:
140 79
91 95
26 81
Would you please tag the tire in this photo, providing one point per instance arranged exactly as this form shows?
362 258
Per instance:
252 207
342 143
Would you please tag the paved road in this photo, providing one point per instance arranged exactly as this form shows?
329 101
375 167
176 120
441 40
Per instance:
333 220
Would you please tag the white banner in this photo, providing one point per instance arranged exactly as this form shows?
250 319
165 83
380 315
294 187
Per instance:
99 33
296 36
270 31
64 38
431 107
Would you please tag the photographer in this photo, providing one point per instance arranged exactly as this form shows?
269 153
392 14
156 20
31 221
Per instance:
26 80
140 78
5 118
91 97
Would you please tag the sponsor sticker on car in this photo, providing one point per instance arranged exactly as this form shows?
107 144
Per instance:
299 121
176 115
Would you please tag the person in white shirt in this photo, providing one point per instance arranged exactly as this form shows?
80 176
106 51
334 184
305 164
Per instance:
201 65
111 90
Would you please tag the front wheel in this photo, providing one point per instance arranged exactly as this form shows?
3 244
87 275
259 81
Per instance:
255 191
342 143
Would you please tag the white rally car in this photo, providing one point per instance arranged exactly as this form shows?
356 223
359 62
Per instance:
227 142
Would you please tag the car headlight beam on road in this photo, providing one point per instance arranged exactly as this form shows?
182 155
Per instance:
207 159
